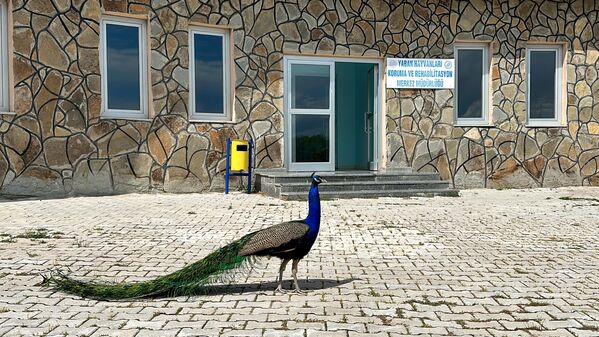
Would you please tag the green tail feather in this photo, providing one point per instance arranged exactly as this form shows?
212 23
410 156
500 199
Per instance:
190 280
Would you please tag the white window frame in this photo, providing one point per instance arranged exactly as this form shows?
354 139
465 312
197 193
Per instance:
4 92
484 120
143 69
559 85
227 115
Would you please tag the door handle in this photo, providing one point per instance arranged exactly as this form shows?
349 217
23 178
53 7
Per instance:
367 115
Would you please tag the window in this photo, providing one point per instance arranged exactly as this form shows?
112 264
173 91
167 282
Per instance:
124 69
310 86
3 57
544 83
210 78
472 84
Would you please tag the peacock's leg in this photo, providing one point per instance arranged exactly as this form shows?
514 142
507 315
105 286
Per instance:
294 272
280 278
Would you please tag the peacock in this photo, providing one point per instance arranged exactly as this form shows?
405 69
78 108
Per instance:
289 241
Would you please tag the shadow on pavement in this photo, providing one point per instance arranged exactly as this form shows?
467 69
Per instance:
237 288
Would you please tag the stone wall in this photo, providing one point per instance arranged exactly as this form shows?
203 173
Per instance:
420 128
57 143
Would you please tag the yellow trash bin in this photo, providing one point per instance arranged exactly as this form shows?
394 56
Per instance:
240 156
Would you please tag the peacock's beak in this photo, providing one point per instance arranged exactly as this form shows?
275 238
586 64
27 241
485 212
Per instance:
323 180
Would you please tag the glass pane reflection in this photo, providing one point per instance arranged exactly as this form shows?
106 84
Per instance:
542 84
209 67
310 86
122 67
470 83
310 138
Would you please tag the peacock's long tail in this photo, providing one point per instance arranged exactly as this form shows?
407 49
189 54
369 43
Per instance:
190 280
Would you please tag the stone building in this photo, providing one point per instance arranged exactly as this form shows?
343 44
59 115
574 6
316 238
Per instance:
100 96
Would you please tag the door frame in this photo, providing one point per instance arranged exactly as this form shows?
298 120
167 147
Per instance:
378 115
310 166
372 164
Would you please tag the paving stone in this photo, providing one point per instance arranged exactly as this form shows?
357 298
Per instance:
396 269
245 332
584 333
192 332
284 333
157 333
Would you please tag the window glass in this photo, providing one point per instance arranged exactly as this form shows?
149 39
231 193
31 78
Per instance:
310 138
209 74
310 86
542 86
123 67
470 77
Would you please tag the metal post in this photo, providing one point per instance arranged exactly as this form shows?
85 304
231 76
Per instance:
251 144
227 165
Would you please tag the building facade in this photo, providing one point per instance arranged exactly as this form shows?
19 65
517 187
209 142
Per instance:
116 96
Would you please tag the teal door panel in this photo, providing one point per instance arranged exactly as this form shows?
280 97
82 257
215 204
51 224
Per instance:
354 98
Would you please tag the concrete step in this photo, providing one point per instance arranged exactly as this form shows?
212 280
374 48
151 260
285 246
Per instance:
284 172
445 192
351 178
342 186
381 178
353 184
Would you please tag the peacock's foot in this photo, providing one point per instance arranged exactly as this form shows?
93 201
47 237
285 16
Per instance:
299 291
281 290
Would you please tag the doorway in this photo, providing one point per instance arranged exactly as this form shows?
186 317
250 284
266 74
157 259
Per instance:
354 115
331 112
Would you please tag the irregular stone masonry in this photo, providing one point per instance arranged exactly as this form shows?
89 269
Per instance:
484 264
58 144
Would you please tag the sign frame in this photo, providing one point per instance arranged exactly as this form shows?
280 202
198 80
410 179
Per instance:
420 73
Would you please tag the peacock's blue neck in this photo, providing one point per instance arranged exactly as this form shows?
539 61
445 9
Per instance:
313 219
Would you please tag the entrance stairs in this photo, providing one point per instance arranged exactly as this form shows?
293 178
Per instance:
353 184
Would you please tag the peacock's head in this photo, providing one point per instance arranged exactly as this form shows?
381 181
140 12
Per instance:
316 179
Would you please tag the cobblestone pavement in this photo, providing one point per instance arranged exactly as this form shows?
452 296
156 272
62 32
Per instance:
499 263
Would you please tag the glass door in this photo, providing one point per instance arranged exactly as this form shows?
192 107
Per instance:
310 88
